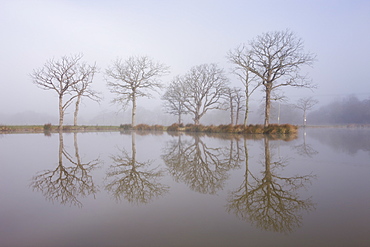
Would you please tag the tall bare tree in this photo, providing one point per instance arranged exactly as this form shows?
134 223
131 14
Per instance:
204 85
174 99
241 58
306 104
133 78
276 59
62 76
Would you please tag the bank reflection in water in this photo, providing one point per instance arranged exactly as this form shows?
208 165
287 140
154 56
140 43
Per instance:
134 180
270 200
70 180
203 168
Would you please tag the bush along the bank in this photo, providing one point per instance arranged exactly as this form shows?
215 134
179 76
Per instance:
47 127
237 129
125 126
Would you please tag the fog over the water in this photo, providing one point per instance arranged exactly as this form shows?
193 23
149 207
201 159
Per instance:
180 34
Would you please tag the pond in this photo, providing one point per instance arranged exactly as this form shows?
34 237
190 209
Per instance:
161 189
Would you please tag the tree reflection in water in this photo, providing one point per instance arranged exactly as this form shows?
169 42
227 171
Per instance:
305 149
202 168
132 179
66 183
270 201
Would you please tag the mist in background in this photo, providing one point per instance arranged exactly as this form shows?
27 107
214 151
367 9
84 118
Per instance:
181 34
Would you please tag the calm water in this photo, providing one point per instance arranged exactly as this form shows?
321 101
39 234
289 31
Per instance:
114 189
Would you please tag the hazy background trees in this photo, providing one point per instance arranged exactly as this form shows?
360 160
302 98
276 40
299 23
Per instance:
349 110
306 104
235 103
134 77
174 99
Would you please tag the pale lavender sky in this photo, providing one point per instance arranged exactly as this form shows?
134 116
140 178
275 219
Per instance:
181 34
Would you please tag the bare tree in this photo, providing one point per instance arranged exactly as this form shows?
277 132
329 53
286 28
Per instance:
61 76
306 104
83 89
276 59
234 98
204 85
241 58
174 99
133 78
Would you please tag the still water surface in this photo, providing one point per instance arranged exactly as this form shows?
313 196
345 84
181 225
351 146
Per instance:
145 189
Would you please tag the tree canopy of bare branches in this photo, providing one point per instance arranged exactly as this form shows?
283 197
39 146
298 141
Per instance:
276 59
174 99
62 76
134 77
204 86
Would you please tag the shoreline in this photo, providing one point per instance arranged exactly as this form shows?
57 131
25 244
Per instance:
236 129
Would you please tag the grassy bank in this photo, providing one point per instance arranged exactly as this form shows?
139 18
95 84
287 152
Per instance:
52 128
235 129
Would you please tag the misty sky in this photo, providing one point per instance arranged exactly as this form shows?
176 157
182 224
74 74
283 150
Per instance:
180 34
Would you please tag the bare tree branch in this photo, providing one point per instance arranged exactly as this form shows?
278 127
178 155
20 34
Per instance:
134 77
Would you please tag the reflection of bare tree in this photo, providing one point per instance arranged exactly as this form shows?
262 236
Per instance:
271 202
133 180
305 149
202 168
233 153
66 183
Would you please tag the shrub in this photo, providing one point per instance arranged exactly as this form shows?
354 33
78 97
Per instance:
158 127
194 128
47 127
142 127
125 126
173 127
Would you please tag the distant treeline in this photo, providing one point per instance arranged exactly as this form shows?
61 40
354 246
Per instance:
349 110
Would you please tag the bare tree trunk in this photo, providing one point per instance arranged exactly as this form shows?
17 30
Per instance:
197 115
304 118
196 119
61 112
76 110
179 118
237 116
133 111
268 104
231 111
246 110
